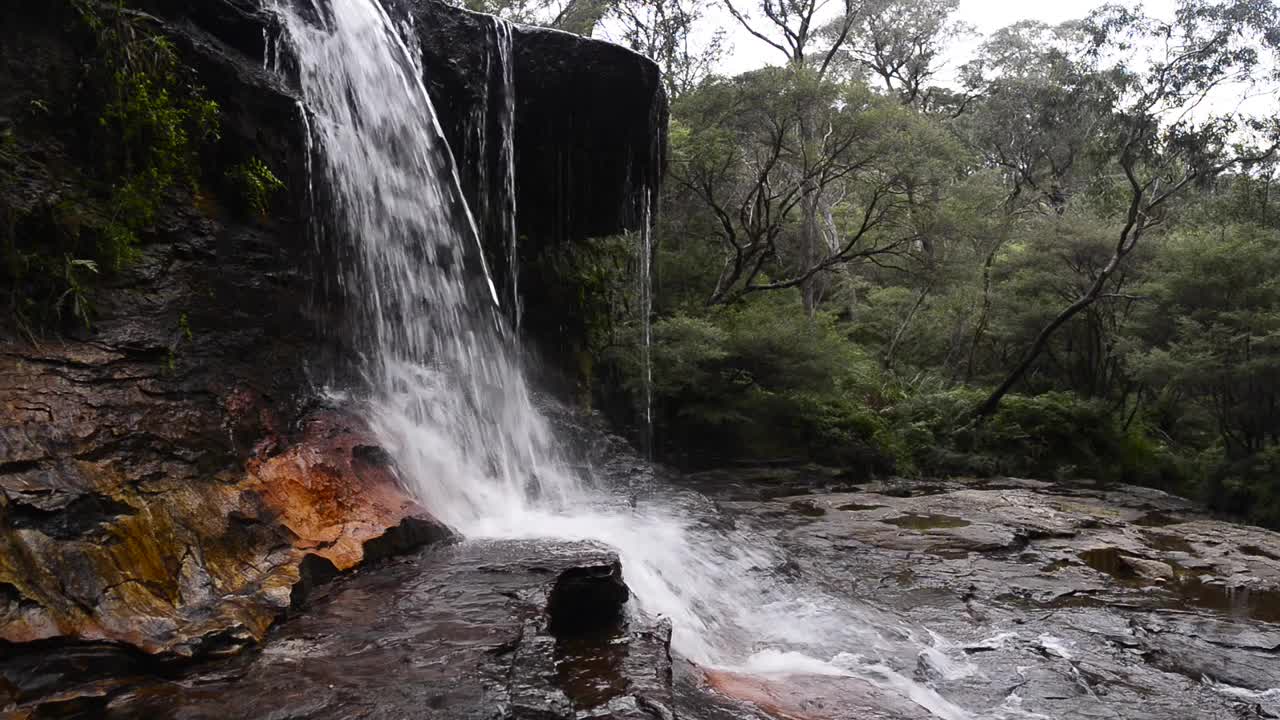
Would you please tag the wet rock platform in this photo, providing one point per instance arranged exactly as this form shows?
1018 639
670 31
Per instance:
1043 600
534 630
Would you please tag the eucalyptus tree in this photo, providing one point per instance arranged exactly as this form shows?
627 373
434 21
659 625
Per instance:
901 43
1160 137
740 147
675 34
1035 103
1040 102
799 29
897 41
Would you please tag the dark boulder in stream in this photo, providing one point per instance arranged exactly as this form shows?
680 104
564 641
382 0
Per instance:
169 482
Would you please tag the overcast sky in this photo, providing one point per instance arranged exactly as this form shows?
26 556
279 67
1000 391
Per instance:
985 15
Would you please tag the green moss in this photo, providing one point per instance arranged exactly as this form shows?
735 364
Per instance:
153 122
585 295
255 185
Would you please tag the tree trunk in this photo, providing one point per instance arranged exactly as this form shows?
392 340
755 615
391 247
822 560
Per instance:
992 403
1129 237
810 236
983 315
902 328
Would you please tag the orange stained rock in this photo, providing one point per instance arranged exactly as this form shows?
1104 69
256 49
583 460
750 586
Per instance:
331 494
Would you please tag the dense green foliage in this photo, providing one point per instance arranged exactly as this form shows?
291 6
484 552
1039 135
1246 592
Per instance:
761 378
1066 268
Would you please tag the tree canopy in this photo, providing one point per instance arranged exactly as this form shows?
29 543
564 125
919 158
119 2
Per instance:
1061 261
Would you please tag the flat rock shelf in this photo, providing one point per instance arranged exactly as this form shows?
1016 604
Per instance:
1069 600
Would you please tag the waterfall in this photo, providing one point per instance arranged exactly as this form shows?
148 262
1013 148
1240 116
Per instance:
645 253
445 394
507 161
496 197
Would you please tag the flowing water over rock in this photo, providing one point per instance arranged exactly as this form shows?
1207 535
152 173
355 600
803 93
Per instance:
760 598
1051 602
1042 600
493 122
645 293
447 396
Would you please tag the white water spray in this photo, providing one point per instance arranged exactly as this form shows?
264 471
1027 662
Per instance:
449 401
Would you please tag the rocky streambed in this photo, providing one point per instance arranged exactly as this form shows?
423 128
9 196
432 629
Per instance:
1040 600
1012 598
475 630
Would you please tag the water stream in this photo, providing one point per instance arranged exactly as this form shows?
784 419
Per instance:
496 199
446 394
645 293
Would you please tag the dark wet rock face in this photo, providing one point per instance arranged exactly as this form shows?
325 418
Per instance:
582 163
586 601
1055 601
460 632
589 130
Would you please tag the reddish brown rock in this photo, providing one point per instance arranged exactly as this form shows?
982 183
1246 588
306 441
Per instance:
813 697
335 491
180 567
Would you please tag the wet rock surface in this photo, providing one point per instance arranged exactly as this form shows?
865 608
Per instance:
92 597
581 163
1021 599
1043 600
476 630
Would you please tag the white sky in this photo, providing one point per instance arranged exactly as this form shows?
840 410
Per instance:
986 16
746 52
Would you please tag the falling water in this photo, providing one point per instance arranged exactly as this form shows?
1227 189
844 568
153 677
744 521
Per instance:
496 198
445 393
645 253
507 160
448 400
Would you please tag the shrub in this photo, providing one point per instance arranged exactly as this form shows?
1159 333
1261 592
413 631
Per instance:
1246 487
1052 435
255 185
763 380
